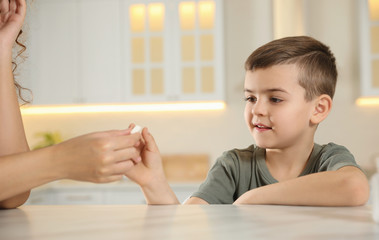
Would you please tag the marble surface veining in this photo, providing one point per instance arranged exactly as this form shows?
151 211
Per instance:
187 222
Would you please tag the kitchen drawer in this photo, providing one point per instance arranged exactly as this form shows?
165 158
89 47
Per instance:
40 197
124 197
66 197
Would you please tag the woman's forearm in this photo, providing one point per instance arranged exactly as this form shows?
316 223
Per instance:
12 135
23 171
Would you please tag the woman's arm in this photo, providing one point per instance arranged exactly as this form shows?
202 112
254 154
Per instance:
96 157
347 186
12 135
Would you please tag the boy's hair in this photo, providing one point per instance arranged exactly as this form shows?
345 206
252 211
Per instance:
315 61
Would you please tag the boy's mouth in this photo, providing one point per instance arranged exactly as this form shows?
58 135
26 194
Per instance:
261 127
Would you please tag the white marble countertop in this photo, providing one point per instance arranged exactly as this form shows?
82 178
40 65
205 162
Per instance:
187 222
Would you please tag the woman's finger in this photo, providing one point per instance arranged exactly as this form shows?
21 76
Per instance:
121 168
20 7
12 6
130 153
4 6
110 179
125 141
131 126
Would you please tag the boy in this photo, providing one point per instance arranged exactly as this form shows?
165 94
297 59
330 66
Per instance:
289 86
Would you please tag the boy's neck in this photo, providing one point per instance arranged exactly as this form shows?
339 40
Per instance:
288 163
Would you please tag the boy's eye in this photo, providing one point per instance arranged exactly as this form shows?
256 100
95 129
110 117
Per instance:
276 100
250 99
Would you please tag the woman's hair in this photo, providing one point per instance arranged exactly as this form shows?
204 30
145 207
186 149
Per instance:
21 49
315 61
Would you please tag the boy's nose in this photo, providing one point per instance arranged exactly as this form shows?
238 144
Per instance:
259 108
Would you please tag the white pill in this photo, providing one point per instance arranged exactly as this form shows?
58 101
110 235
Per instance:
136 129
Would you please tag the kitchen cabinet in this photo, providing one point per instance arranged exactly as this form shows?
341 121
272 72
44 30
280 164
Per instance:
74 51
116 51
369 47
176 50
52 62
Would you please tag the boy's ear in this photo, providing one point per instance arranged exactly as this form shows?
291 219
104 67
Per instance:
323 105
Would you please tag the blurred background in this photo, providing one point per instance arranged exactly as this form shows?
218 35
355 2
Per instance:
120 53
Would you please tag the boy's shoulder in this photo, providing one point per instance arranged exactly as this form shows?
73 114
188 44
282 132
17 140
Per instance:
250 150
324 149
238 155
329 156
329 149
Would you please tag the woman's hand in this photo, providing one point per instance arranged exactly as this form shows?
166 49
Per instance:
12 15
98 157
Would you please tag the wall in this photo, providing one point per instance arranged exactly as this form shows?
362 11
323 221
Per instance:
336 24
333 22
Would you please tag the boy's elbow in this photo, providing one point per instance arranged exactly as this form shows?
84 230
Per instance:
358 190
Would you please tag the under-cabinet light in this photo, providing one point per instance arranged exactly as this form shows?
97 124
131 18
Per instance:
374 9
368 101
67 109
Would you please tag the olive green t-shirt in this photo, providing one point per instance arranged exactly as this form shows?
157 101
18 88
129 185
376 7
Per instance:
240 170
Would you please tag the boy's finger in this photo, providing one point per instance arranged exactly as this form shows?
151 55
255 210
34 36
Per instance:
149 141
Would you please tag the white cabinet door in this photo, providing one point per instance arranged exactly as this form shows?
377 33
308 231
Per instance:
75 51
53 51
199 52
369 48
173 50
99 51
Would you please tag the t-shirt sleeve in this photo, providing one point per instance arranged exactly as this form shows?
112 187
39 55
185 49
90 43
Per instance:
220 185
334 157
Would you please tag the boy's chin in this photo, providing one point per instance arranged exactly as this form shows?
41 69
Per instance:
265 145
262 145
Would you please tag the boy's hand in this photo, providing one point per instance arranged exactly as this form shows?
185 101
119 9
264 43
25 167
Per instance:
150 168
149 174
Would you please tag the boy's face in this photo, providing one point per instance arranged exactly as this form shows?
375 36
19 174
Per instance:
276 112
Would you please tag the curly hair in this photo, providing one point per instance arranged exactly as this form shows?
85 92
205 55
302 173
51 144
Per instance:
19 88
